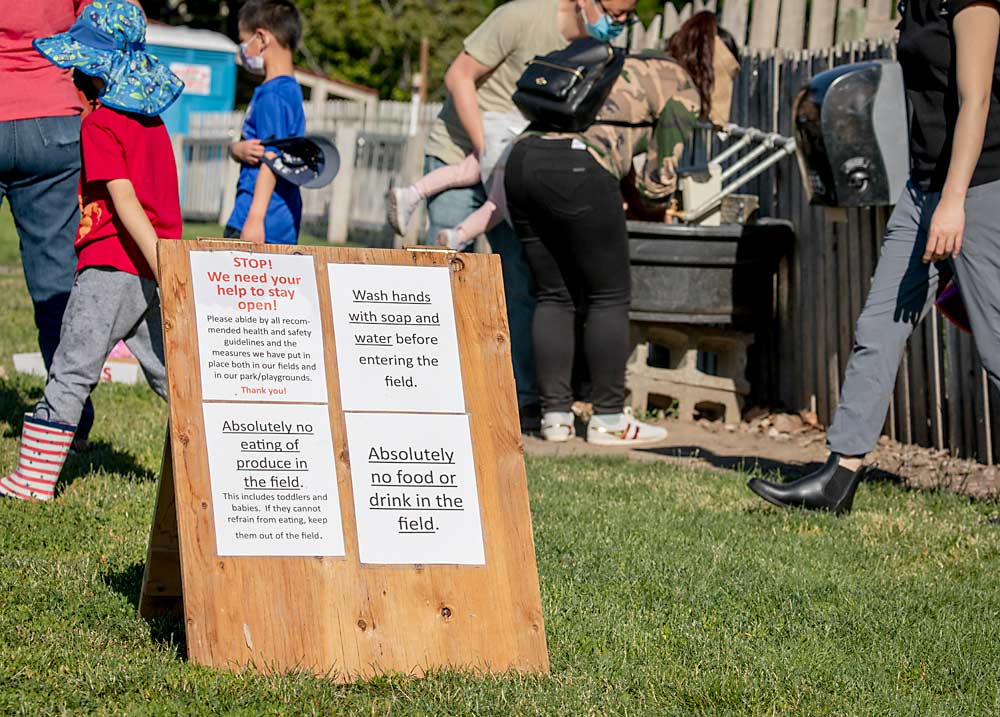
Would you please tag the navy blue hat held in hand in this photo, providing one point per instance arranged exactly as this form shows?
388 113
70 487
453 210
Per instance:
311 162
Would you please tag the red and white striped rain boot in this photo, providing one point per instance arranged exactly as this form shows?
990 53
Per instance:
44 446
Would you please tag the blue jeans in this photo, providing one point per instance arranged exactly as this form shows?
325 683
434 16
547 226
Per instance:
39 176
447 210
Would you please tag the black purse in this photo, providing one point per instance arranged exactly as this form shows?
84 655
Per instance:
564 90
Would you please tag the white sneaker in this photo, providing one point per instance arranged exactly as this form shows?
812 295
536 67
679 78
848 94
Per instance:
402 203
558 427
453 239
621 429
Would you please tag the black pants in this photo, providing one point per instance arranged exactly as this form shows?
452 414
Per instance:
568 213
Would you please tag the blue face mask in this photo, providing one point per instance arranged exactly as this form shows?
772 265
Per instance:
603 30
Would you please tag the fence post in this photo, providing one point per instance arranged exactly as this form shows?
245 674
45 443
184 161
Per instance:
339 217
231 175
413 164
177 145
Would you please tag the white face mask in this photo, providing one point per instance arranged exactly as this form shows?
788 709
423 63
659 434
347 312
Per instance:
253 64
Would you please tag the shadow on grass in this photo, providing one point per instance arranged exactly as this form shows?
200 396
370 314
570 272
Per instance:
752 465
103 455
13 406
167 629
767 468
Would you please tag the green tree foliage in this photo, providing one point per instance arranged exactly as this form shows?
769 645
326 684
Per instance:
377 42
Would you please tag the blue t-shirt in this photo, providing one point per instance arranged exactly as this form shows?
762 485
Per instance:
275 112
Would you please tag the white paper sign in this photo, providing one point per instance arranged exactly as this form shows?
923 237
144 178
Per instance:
415 494
259 331
397 349
197 78
274 481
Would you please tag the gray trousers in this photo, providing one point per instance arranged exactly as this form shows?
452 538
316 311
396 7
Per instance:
902 292
105 307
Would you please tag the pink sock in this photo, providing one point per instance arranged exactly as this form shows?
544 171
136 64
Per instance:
479 221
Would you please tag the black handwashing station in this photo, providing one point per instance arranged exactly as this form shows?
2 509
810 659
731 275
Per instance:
715 264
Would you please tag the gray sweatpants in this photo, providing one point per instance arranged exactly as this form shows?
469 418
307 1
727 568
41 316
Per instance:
902 292
105 307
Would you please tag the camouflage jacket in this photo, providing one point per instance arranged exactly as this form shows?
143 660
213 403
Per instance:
650 88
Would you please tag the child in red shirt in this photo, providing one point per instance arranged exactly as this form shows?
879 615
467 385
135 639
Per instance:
128 199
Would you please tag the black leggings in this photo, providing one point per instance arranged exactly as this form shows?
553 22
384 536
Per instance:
568 213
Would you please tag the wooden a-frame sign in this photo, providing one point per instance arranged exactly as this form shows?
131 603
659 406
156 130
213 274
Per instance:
375 608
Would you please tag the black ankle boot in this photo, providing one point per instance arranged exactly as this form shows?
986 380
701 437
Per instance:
830 488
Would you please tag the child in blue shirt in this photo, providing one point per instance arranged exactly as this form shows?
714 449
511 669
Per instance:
268 209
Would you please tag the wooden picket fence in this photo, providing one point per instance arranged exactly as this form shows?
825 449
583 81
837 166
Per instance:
785 24
380 145
942 398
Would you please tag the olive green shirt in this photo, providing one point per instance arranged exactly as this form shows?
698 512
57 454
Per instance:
507 40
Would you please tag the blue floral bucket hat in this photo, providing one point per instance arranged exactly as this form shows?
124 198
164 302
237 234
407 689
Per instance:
108 41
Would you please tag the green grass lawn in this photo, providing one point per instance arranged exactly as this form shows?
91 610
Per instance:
666 590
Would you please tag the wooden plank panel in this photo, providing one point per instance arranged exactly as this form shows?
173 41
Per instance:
822 23
879 10
764 24
685 14
967 386
846 247
792 25
353 618
654 33
901 399
850 21
816 230
161 580
994 396
981 406
936 408
953 389
670 21
734 19
789 368
959 397
918 387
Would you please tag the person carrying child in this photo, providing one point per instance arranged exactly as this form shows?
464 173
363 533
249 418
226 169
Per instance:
707 52
129 198
267 209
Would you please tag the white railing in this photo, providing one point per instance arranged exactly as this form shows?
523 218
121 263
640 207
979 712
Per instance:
381 146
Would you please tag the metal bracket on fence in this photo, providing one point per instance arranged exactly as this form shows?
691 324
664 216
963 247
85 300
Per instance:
772 147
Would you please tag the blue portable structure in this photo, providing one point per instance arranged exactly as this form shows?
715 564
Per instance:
205 60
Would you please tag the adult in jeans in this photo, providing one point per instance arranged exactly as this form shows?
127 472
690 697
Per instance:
949 211
563 197
482 79
40 163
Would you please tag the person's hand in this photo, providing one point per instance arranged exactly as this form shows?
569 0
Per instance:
947 225
253 230
247 151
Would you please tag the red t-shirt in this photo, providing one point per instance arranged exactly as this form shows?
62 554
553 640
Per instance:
121 145
33 86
